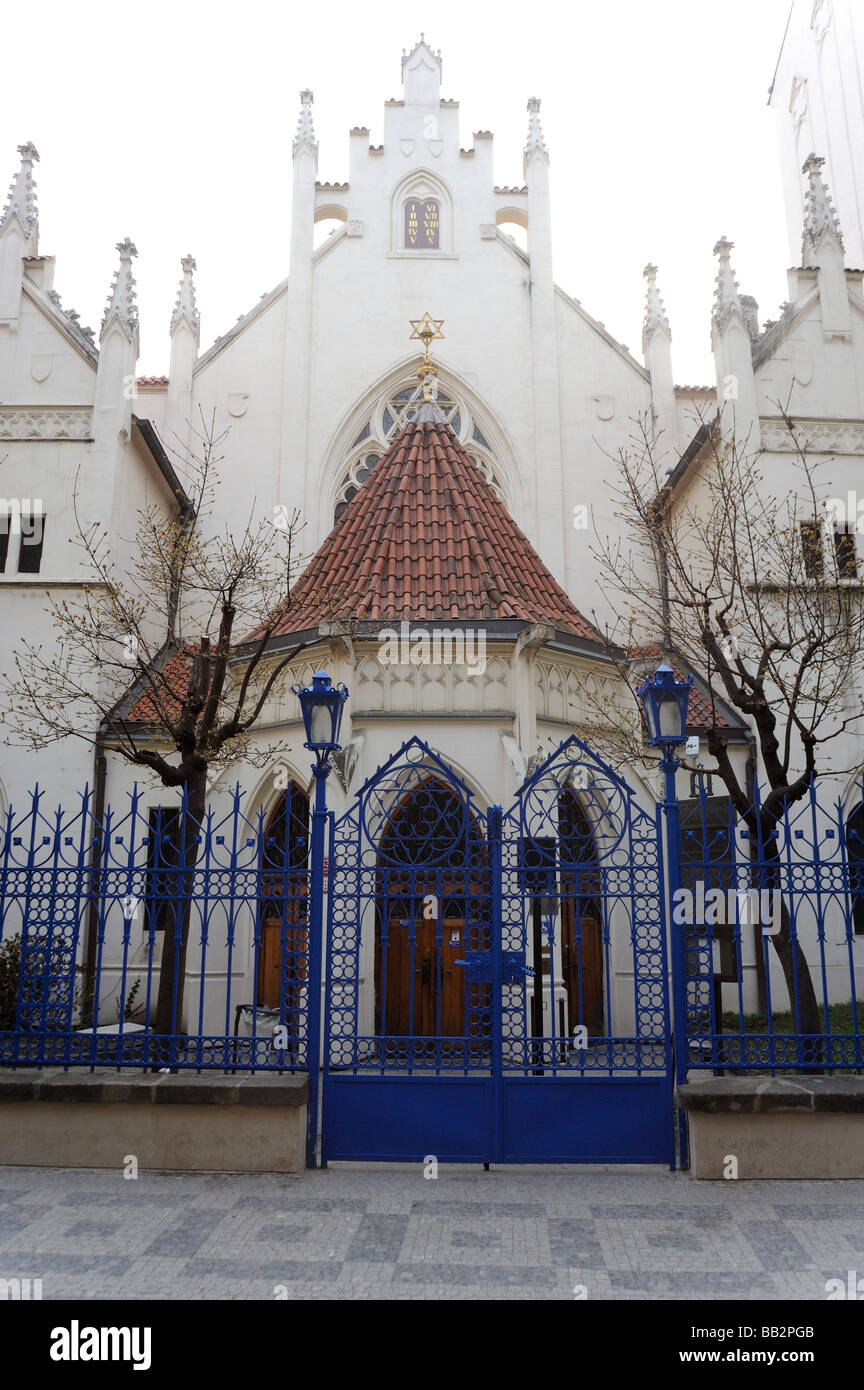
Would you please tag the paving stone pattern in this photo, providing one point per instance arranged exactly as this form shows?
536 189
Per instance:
370 1233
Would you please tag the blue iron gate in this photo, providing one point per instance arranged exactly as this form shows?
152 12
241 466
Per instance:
496 986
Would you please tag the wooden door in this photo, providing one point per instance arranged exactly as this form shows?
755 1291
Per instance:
582 967
409 981
270 964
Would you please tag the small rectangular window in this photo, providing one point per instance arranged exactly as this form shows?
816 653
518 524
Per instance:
845 553
811 547
4 542
32 540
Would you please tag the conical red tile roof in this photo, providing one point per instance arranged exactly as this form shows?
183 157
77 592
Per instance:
427 538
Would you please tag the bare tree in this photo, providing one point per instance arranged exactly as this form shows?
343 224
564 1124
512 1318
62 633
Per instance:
745 589
146 662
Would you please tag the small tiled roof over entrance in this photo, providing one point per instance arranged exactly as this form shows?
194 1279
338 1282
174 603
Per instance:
426 538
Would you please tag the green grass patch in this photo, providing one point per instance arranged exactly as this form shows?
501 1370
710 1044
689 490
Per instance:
839 1020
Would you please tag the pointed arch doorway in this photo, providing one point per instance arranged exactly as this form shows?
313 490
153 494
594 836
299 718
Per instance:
282 930
431 907
491 1085
582 945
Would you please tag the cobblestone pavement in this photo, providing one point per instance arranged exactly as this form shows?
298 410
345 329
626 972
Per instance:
367 1233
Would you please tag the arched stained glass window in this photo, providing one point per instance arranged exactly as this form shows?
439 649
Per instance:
392 413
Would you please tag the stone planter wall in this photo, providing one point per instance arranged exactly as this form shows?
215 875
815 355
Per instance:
234 1123
775 1127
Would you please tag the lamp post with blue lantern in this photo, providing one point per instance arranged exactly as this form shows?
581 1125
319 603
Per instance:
664 700
321 704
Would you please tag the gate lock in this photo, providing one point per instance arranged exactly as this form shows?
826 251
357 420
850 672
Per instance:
478 968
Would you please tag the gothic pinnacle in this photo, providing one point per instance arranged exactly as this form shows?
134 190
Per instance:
21 202
726 299
655 310
819 213
305 137
535 145
121 301
186 308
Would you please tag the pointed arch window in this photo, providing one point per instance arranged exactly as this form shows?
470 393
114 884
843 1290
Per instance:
421 216
391 414
432 905
283 908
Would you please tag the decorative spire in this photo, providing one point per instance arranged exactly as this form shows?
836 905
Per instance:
726 299
655 310
421 75
427 330
186 310
819 213
535 145
408 54
305 137
121 301
21 202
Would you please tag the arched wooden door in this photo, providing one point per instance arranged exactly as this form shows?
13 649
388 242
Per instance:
582 947
282 922
430 909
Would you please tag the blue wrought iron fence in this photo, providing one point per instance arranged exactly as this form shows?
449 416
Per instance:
86 908
772 914
86 904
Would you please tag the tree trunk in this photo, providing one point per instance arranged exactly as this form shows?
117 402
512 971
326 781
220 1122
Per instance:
172 971
804 1004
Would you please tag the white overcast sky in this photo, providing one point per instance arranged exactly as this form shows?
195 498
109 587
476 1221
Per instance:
172 123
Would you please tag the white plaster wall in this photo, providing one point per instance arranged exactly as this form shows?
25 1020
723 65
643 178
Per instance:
824 46
71 379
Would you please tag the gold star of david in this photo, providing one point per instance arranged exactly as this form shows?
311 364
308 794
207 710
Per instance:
426 329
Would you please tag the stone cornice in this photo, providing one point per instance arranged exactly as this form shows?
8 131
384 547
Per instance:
819 436
48 423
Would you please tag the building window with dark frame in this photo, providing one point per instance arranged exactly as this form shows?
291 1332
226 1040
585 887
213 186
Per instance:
32 541
845 552
811 549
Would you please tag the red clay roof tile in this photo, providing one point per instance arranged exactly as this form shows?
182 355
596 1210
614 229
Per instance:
427 538
174 675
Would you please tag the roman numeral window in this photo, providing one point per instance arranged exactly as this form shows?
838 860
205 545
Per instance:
422 224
